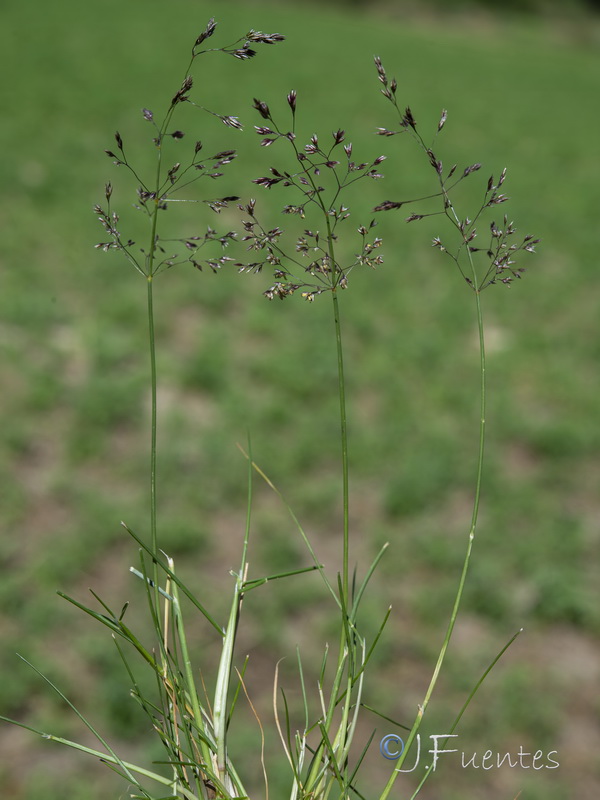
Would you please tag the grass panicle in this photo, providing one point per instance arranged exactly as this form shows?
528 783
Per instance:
500 267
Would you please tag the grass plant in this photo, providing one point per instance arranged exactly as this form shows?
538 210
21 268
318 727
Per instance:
193 730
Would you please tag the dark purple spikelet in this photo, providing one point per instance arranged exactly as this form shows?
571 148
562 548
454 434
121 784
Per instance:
435 163
266 181
387 205
173 172
182 95
231 122
313 147
262 108
380 70
386 132
408 119
291 98
472 168
243 53
208 31
265 38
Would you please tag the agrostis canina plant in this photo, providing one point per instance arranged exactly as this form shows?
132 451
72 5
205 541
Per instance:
313 255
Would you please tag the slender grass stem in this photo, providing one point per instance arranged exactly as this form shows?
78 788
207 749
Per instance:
344 443
191 694
465 705
150 273
335 282
482 401
345 660
153 414
467 558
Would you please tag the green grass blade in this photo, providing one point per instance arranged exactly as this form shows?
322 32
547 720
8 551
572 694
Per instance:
111 623
192 693
465 705
303 688
358 764
138 574
126 765
113 756
224 679
374 644
383 716
236 693
175 580
252 584
323 666
331 762
136 689
366 580
114 624
296 522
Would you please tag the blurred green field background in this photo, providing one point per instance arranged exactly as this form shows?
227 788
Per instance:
521 93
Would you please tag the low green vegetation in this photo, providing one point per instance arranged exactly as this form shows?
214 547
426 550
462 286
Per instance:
73 444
